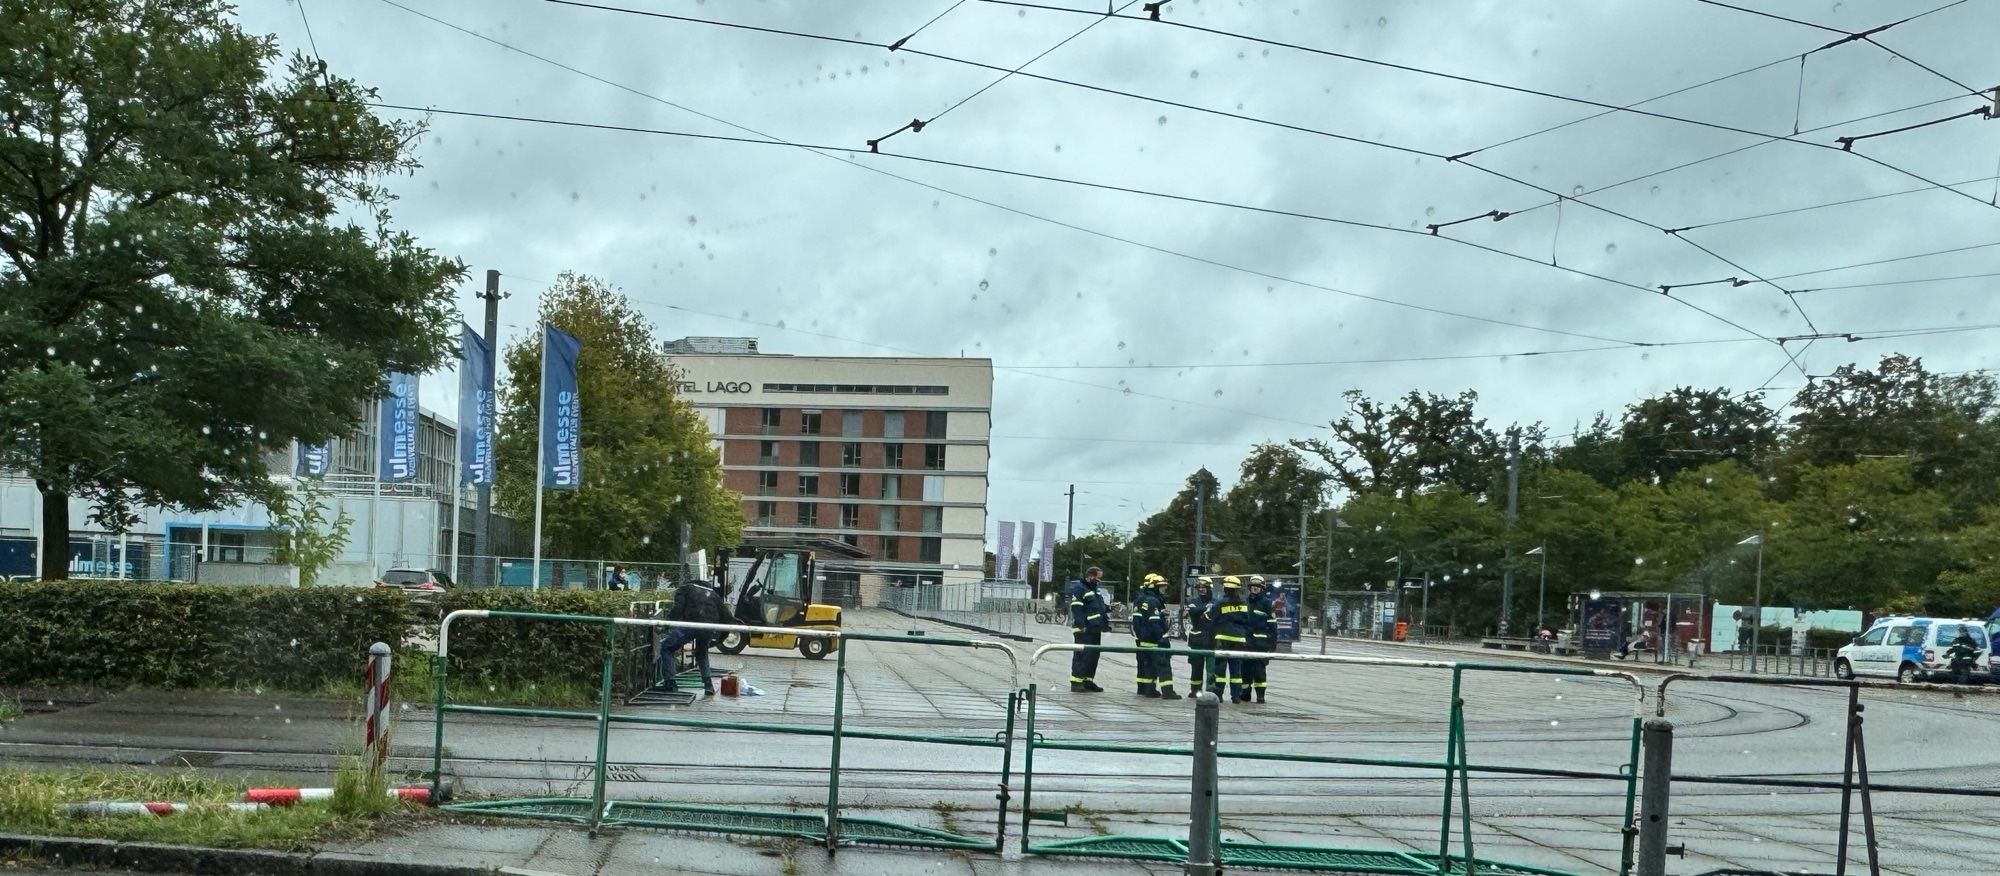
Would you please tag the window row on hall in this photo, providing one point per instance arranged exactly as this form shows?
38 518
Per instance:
845 454
852 424
874 518
850 485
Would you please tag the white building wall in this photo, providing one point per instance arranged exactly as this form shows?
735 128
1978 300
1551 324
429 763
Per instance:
964 521
966 458
965 489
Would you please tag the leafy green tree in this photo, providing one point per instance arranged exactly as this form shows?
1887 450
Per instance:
1688 428
1165 540
179 295
1854 536
1596 450
1423 440
307 537
1677 532
647 462
1273 486
1946 426
1575 521
1104 545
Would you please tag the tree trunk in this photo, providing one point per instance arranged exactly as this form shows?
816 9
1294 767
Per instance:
55 533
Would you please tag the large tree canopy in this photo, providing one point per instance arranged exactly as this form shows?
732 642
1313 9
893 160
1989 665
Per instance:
648 466
179 294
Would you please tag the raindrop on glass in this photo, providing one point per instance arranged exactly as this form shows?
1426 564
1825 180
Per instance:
1161 120
1576 192
205 430
983 285
138 308
95 362
1656 190
1194 74
1430 211
52 351
1382 22
1611 249
992 251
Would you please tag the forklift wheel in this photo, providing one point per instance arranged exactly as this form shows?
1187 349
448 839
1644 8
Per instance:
813 647
732 643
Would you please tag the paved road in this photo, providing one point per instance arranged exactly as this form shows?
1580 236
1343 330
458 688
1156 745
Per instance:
1355 711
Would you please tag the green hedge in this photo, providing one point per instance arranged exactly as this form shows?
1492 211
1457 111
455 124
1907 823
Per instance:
110 634
507 651
117 634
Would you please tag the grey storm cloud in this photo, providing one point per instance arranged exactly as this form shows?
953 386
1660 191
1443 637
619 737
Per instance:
722 238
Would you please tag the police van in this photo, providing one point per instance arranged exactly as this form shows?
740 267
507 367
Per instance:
1909 649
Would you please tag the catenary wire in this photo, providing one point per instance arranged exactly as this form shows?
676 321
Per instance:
1841 203
1497 85
1867 36
1906 258
1082 229
874 146
1082 183
1895 283
934 19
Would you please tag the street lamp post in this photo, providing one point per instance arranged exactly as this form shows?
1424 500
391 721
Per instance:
1541 594
1757 623
1425 622
1395 592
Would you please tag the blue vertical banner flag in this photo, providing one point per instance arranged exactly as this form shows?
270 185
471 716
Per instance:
562 412
314 460
475 409
1025 550
397 430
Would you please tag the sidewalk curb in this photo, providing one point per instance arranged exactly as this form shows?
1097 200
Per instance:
973 628
164 858
1545 658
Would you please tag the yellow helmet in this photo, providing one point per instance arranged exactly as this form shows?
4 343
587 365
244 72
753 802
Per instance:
1154 578
1230 583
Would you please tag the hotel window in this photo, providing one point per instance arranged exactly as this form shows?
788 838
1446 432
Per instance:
933 520
892 487
934 457
768 420
809 453
934 424
850 485
850 516
850 424
891 547
892 424
767 453
850 453
808 485
930 550
808 514
809 423
892 456
767 483
766 513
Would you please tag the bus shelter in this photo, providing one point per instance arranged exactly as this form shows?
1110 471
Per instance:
1602 622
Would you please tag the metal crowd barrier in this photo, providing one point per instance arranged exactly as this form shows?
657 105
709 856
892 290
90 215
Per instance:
1854 768
829 828
1456 766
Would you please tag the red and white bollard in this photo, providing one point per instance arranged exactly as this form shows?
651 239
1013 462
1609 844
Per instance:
290 796
97 808
376 706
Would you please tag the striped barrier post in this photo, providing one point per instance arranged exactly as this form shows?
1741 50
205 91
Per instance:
96 808
290 796
377 709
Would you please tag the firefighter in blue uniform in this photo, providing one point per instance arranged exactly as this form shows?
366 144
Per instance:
1149 631
1200 617
1089 617
1233 627
1263 637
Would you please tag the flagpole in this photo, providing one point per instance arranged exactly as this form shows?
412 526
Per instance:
457 488
541 453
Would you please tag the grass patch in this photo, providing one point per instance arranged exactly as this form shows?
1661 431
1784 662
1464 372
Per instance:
29 801
10 708
1096 822
415 682
947 813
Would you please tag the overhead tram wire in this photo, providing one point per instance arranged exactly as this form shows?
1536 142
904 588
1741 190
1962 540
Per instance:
1471 80
1026 214
1840 203
1894 283
1867 36
1870 264
1081 183
934 19
919 125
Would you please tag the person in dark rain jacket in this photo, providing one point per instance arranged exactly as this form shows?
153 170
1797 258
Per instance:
1233 628
1149 631
1200 616
1089 617
1263 637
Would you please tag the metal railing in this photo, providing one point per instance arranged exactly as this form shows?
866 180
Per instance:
829 828
1457 768
959 604
1781 660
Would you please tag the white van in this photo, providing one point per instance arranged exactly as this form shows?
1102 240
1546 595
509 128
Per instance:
1909 649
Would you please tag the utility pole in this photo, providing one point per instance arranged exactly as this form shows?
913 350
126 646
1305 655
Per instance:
1200 533
482 527
1069 534
1513 506
1303 512
1326 581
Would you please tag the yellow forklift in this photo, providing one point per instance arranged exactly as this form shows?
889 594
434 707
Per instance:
778 585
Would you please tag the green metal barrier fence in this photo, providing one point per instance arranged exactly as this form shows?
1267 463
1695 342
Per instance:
1457 766
829 828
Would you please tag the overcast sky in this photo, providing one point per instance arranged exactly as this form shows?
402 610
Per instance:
714 238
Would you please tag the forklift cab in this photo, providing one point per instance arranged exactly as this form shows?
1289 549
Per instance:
775 586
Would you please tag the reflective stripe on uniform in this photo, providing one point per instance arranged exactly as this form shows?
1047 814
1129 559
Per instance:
1223 637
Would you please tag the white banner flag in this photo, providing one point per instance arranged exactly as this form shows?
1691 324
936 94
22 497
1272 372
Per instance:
1048 551
1003 552
1027 548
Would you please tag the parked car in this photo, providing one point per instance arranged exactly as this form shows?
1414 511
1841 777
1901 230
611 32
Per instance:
423 586
1993 654
1909 649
